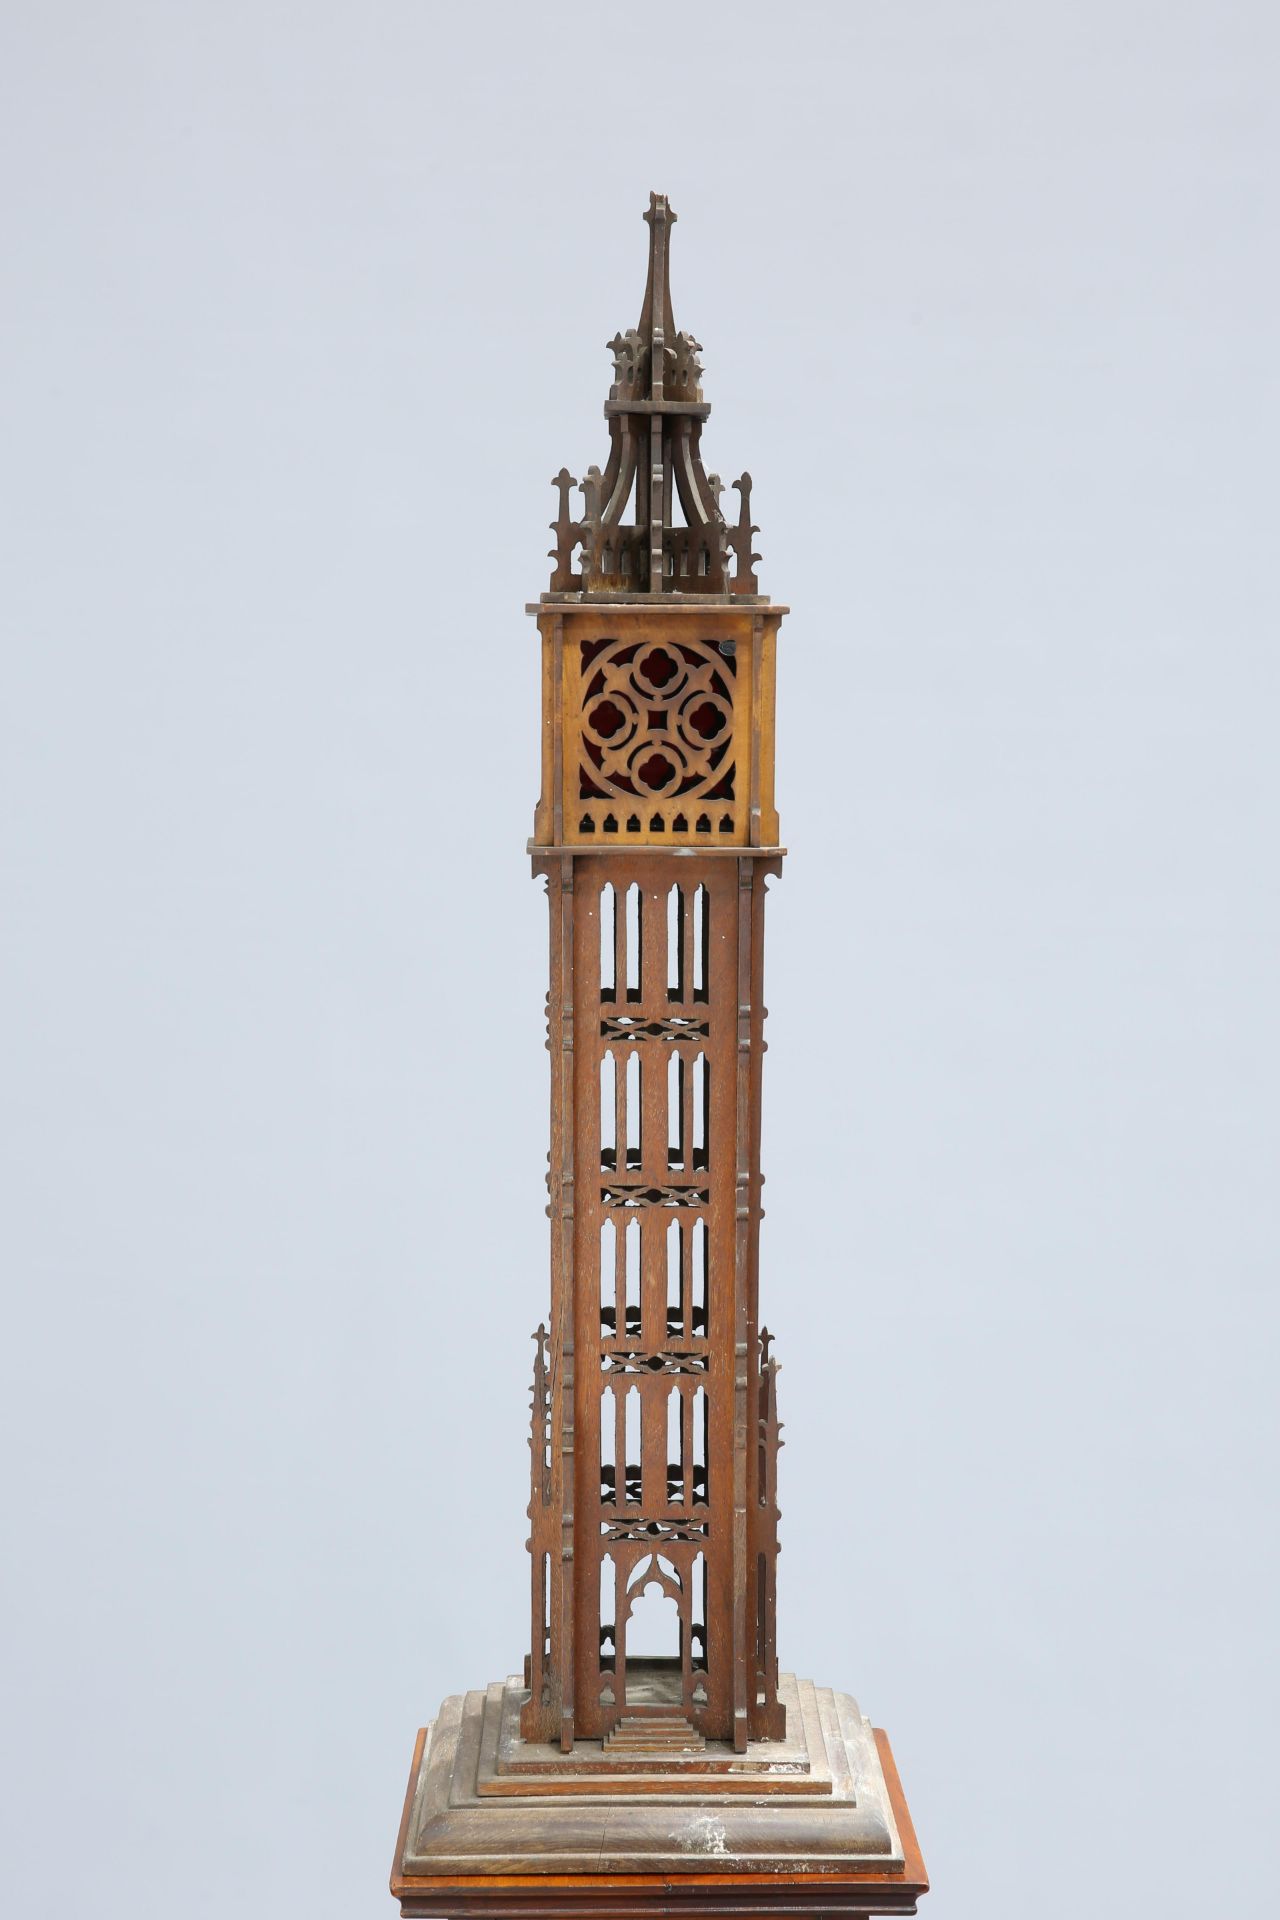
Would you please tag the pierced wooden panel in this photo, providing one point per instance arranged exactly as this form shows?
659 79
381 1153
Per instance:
655 1046
653 1429
658 728
657 740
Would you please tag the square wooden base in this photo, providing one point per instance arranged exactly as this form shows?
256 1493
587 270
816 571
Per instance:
845 1848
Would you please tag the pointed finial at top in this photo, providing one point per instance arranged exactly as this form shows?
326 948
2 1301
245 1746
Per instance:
678 540
660 219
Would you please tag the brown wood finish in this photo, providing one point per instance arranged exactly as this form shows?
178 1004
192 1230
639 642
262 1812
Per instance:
654 1430
699 723
653 1896
658 725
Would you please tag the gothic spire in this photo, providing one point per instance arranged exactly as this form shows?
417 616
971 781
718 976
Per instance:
677 539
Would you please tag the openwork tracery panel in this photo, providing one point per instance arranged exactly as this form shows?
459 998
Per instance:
653 742
654 1266
661 1042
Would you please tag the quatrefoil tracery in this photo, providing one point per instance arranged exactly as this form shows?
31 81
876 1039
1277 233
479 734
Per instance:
657 721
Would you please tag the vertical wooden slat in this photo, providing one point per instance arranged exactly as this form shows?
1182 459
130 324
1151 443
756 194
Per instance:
620 1441
557 731
763 747
619 1112
743 1663
652 942
653 972
752 735
655 496
768 1716
619 1275
620 940
610 913
653 1444
653 1270
566 1315
686 1444
677 909
686 945
653 965
686 1277
575 1135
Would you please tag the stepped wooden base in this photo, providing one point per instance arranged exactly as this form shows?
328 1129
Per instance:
653 1733
814 1825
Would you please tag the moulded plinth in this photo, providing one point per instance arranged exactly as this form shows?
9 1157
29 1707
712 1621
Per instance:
814 1823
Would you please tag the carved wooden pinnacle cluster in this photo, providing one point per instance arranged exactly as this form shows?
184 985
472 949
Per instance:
677 539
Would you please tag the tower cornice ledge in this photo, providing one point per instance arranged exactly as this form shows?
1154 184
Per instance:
671 602
539 850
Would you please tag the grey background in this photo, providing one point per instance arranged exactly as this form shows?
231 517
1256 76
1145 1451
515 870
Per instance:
302 305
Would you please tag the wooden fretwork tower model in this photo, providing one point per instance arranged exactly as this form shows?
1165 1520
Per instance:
654 1432
651 1742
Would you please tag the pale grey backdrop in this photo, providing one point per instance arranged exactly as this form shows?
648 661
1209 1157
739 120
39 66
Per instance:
302 305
